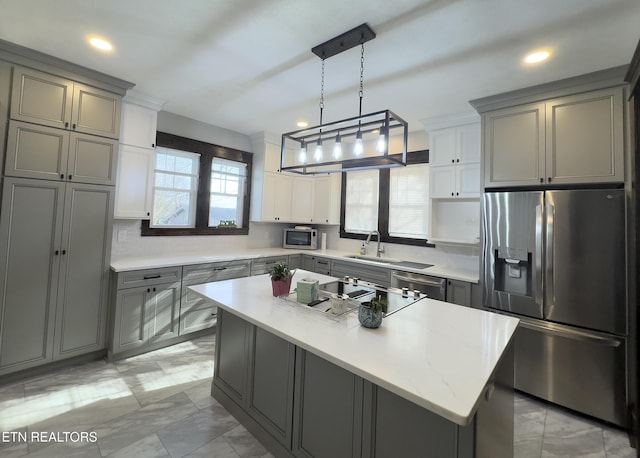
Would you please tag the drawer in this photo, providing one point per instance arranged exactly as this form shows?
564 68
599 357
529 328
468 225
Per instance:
214 271
264 265
149 277
197 319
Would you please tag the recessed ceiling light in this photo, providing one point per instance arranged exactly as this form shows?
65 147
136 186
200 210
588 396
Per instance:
101 44
302 123
536 57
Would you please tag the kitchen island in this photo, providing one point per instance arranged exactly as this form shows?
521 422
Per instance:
434 380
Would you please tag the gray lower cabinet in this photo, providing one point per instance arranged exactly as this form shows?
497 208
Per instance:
328 409
261 266
378 275
55 242
197 313
147 305
271 376
299 404
459 292
255 369
316 264
295 261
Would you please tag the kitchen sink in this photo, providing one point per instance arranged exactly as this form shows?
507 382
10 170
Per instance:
395 262
373 259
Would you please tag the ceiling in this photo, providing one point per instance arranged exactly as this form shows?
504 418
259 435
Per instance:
247 65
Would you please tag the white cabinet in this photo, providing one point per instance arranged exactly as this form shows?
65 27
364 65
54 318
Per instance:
139 125
454 158
276 197
454 184
578 139
326 199
135 179
49 100
302 199
134 187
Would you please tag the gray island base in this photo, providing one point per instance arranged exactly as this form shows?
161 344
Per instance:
300 398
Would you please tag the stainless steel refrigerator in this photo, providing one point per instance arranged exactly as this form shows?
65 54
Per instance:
556 260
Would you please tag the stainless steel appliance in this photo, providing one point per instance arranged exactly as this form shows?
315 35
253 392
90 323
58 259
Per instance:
556 259
433 287
300 238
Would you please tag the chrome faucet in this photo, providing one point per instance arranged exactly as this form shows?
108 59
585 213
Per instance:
379 249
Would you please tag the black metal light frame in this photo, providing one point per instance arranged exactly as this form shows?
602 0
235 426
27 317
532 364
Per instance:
366 125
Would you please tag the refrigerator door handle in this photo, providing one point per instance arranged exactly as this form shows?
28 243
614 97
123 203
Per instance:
537 281
575 334
549 247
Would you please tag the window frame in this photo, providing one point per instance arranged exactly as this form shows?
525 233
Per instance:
207 152
384 181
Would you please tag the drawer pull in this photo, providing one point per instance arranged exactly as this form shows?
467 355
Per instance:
217 269
149 277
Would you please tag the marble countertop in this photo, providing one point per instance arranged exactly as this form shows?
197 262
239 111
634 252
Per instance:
438 355
453 272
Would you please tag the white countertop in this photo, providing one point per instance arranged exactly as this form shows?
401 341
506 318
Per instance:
452 272
435 354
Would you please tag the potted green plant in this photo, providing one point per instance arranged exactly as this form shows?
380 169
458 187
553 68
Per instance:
370 313
280 279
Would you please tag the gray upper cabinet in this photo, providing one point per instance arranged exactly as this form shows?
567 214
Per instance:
46 99
578 139
55 238
52 154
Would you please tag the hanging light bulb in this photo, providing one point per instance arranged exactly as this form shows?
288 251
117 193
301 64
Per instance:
317 155
337 147
302 155
358 148
381 146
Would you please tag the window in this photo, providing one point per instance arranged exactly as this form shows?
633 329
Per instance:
199 189
227 190
395 202
175 187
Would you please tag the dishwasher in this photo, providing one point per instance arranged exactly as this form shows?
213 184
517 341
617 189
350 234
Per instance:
433 287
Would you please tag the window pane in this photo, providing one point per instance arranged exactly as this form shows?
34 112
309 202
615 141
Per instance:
361 206
175 185
409 201
172 208
227 193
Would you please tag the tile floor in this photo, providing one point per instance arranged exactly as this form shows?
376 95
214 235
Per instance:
158 405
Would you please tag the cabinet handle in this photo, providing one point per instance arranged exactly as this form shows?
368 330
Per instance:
452 161
153 145
457 193
549 179
64 251
154 290
148 290
452 194
70 176
73 127
541 180
217 269
66 125
56 252
148 213
62 176
149 277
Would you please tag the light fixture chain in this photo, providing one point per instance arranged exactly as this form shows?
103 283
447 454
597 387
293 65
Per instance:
361 93
322 91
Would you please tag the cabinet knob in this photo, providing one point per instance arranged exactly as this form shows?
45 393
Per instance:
541 180
56 252
457 160
457 193
64 251
70 176
549 179
62 176
148 290
73 127
148 213
452 161
153 145
66 125
452 194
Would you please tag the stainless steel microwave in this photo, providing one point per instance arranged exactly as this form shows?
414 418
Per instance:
300 238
